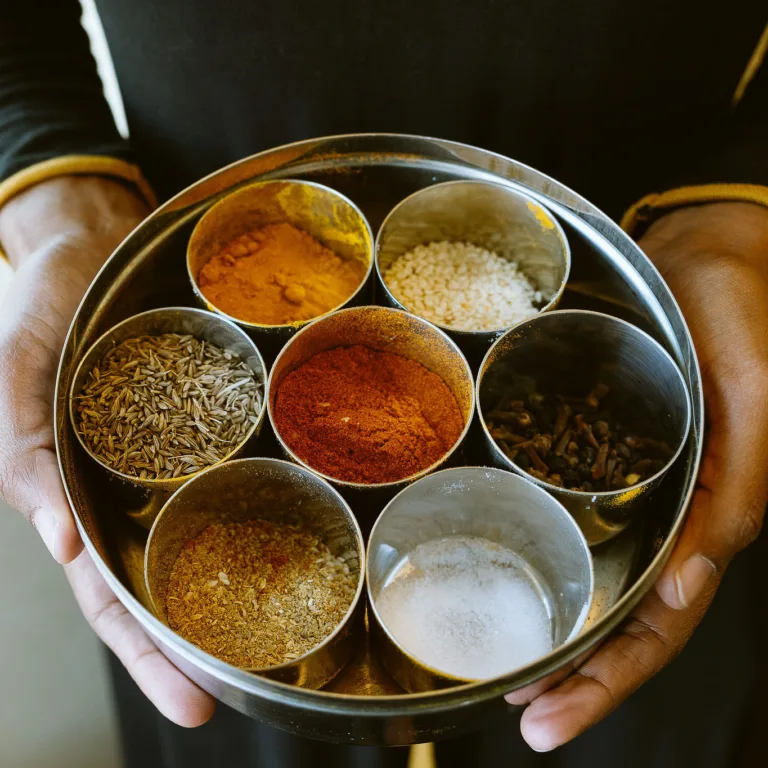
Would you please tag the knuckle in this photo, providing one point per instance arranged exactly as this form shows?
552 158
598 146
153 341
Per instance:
647 646
18 476
105 617
747 524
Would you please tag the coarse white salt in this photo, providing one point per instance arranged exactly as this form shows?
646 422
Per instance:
462 286
467 607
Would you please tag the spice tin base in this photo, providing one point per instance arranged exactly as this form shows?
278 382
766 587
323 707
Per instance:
609 274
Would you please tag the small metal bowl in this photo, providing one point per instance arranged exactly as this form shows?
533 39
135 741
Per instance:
380 328
280 492
322 212
567 348
485 503
489 215
199 323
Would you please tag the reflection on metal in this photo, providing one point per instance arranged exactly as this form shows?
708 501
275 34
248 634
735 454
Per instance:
148 270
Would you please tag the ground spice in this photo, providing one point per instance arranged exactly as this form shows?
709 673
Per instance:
366 416
278 275
259 593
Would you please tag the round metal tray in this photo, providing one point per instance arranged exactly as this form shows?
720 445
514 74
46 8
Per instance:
362 705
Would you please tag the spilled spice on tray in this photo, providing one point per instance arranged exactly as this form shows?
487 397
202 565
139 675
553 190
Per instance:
258 593
157 407
575 442
277 275
367 416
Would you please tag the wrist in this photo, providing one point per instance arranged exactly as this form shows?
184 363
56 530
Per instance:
80 208
731 229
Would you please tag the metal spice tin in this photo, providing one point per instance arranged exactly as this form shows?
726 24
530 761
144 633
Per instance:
320 211
280 492
609 274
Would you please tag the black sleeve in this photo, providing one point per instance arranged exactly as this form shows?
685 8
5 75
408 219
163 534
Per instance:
740 153
51 98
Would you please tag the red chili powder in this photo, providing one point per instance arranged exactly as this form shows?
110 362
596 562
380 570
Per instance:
366 416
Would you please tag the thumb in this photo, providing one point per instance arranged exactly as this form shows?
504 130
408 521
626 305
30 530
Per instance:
728 506
32 485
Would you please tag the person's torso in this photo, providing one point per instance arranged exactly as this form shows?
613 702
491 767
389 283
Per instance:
608 96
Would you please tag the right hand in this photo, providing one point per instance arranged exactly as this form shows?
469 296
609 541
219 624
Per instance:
57 235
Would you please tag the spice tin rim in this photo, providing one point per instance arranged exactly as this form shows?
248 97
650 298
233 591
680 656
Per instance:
490 333
455 680
170 482
392 483
567 492
298 323
361 550
388 718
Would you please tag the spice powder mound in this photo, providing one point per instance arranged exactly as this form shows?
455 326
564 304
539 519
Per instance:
257 594
157 407
365 415
278 275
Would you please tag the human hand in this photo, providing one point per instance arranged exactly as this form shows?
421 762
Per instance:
57 235
715 260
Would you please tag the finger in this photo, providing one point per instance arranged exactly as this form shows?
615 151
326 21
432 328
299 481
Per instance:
175 696
31 484
727 510
530 692
653 636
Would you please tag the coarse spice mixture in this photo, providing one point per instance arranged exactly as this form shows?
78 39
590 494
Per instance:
258 593
462 286
365 415
157 407
278 275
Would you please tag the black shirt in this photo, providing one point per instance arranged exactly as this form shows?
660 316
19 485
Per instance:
614 98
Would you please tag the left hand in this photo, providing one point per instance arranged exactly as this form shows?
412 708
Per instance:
715 260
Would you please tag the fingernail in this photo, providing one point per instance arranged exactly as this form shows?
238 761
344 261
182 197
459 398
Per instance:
691 578
47 526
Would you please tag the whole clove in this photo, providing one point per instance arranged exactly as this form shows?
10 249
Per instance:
575 443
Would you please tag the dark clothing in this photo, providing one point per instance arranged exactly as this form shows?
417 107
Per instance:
615 99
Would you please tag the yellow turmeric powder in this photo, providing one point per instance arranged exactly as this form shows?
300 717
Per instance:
278 275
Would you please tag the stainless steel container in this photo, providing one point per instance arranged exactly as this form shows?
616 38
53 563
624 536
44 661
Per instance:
492 216
379 328
316 209
565 351
484 503
264 489
377 172
153 493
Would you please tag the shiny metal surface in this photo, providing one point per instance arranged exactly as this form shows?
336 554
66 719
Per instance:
320 211
567 352
386 329
492 216
490 504
609 273
281 492
148 495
